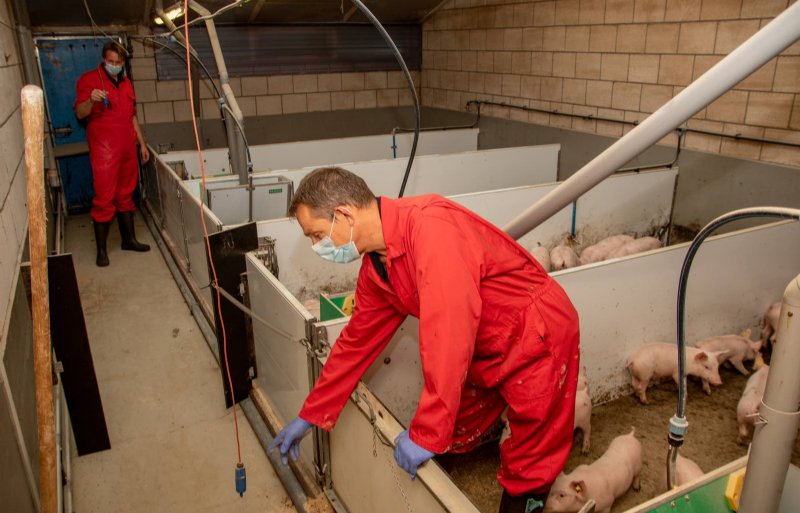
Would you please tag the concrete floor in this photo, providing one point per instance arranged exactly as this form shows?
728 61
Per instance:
172 440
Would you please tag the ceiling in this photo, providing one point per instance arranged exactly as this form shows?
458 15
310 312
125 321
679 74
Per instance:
72 13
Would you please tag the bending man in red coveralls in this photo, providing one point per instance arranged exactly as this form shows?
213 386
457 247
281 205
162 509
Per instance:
495 331
106 100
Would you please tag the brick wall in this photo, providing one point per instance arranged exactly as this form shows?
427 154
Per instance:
167 101
618 59
13 211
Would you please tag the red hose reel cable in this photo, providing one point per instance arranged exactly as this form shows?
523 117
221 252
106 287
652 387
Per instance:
205 233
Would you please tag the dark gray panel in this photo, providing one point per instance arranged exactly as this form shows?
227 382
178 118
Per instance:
291 49
18 361
228 250
14 490
71 345
129 12
73 12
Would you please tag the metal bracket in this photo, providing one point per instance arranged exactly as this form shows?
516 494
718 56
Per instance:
183 229
321 474
320 341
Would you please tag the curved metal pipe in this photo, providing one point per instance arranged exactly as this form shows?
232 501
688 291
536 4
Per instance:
402 63
236 145
153 40
678 424
159 9
591 117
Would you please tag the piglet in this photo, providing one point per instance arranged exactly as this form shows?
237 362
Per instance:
600 251
750 402
563 257
604 481
583 412
660 360
687 470
541 255
636 246
769 325
737 348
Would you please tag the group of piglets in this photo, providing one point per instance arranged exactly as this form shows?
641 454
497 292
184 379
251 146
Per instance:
654 361
564 256
617 470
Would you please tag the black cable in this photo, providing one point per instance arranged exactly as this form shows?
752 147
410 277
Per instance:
402 63
678 424
182 58
687 264
592 117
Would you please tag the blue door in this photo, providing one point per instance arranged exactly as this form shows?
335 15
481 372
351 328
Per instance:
63 61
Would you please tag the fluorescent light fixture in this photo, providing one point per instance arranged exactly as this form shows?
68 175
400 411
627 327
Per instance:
176 11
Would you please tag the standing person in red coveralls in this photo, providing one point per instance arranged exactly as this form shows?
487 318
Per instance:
495 331
107 102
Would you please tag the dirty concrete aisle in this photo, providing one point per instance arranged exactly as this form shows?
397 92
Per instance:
172 439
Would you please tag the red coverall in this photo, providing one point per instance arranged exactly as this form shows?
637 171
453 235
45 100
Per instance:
112 143
495 330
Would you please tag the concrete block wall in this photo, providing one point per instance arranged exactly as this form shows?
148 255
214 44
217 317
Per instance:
167 101
17 405
13 210
618 59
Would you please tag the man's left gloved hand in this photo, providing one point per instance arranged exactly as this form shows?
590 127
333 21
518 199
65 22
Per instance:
410 455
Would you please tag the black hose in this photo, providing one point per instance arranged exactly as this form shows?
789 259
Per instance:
210 79
182 58
402 63
678 424
687 264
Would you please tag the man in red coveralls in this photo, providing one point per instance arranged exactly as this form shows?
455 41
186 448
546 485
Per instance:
495 331
106 100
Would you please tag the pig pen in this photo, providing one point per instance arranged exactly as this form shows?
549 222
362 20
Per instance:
735 277
175 205
454 173
323 152
358 467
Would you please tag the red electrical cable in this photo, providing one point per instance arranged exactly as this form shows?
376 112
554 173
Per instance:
205 231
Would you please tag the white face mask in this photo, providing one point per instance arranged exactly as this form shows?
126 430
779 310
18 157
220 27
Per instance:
113 70
344 254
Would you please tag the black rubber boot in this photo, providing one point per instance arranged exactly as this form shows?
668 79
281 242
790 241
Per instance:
100 237
529 503
126 230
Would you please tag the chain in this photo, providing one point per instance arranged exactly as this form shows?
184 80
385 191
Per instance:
392 464
377 436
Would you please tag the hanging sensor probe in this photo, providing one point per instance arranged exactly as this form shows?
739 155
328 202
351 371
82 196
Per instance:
241 479
239 475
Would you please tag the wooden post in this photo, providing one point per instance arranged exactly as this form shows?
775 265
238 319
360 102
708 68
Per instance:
33 132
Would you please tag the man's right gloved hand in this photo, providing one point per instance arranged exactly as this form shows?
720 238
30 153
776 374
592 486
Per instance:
289 439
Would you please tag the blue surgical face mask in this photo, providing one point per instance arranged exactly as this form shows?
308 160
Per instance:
113 70
338 254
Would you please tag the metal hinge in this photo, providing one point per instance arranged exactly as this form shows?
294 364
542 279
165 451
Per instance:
321 474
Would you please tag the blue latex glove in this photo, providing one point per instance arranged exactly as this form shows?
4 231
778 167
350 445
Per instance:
288 440
410 455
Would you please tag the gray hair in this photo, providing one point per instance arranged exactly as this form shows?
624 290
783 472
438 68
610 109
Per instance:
326 188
